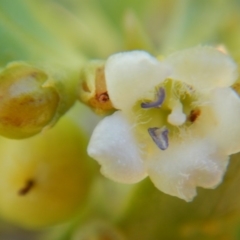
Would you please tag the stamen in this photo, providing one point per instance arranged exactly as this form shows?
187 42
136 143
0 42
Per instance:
160 96
194 114
159 136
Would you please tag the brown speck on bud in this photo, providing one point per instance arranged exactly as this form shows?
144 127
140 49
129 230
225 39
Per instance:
28 186
103 98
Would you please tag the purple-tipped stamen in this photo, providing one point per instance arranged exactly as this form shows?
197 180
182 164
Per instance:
160 96
159 136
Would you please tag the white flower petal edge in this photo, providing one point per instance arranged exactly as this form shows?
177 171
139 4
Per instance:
184 166
114 147
203 67
130 75
226 133
219 119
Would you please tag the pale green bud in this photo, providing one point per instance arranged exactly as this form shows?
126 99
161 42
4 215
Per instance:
44 179
26 105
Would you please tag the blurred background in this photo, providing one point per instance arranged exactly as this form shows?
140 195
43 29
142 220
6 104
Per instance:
67 33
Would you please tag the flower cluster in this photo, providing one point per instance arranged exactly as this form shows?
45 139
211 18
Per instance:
176 120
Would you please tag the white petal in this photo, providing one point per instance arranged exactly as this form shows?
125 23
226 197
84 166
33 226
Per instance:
184 166
203 67
114 147
130 75
226 131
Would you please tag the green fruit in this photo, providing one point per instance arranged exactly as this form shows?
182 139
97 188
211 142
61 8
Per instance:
44 179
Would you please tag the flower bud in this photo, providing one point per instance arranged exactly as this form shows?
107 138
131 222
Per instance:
93 90
44 179
26 105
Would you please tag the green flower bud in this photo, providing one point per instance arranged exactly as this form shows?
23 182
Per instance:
93 90
26 105
44 179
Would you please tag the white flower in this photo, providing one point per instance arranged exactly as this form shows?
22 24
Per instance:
177 120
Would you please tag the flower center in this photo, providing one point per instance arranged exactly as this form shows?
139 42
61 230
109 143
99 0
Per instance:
172 108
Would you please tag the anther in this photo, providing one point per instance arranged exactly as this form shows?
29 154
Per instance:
160 96
194 114
159 136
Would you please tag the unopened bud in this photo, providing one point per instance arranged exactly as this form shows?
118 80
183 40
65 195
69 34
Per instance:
45 179
93 90
26 105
